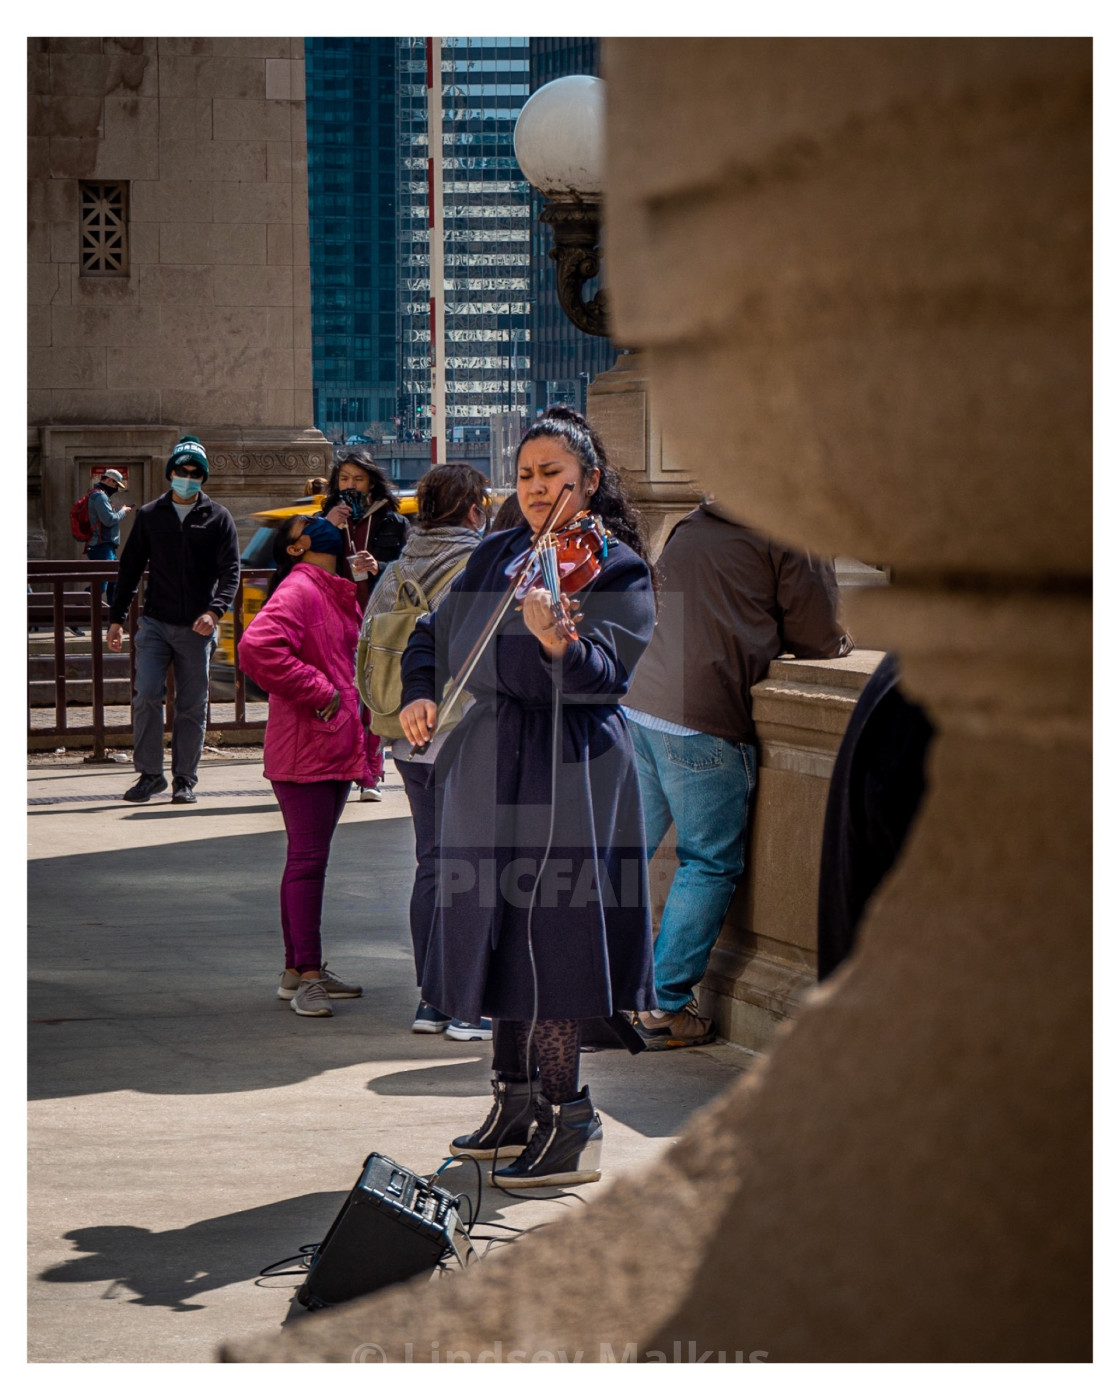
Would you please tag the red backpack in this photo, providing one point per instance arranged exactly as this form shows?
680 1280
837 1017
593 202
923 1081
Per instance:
80 527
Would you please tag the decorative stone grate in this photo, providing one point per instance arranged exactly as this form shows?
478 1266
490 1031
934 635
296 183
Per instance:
104 229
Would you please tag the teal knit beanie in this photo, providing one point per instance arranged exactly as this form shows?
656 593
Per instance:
188 452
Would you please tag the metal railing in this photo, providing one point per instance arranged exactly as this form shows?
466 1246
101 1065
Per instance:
57 600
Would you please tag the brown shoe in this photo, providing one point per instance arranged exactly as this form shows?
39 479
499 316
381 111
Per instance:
674 1030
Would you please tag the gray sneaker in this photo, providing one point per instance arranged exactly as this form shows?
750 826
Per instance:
674 1030
311 999
336 988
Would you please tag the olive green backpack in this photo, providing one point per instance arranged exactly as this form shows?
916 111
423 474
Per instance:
383 640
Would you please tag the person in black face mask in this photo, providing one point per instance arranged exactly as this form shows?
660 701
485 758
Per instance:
361 503
105 522
187 542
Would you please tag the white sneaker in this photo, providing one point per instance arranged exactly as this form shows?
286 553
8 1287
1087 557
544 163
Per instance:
372 794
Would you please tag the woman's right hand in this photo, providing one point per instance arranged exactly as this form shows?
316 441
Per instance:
338 515
418 721
330 709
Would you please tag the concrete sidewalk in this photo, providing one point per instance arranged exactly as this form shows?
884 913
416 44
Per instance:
186 1128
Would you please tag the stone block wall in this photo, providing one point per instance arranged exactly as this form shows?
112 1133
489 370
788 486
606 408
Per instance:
765 961
210 329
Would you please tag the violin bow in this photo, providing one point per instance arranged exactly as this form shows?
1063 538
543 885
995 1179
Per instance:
459 681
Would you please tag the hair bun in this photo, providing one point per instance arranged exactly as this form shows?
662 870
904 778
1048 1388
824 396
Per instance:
565 414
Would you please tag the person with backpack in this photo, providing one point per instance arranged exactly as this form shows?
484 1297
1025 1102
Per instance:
300 650
451 517
97 526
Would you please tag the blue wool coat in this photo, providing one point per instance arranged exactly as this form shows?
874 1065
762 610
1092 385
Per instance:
576 943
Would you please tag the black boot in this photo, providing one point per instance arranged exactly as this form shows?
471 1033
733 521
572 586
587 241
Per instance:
563 1151
507 1125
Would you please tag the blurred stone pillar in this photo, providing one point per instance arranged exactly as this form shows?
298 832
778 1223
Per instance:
860 270
621 410
866 264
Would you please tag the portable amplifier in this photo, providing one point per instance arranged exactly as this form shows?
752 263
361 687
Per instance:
392 1226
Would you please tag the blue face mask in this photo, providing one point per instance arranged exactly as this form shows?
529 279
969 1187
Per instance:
188 486
324 537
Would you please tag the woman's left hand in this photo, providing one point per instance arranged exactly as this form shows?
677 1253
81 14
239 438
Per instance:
541 620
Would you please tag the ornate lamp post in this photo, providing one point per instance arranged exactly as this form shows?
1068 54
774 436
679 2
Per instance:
559 141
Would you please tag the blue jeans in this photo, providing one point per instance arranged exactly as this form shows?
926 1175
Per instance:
158 645
103 553
704 784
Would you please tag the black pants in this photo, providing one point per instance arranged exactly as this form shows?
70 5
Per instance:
421 793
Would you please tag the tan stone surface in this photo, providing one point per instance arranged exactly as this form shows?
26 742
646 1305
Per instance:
80 368
187 339
844 308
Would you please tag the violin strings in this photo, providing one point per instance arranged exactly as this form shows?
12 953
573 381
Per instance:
550 571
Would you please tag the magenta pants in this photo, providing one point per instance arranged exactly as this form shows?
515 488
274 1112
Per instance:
311 812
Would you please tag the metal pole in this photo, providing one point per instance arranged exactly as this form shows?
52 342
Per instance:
435 247
59 654
96 672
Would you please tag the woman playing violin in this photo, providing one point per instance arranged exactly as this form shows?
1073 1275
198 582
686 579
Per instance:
542 914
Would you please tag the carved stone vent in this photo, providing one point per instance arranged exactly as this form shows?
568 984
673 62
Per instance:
104 229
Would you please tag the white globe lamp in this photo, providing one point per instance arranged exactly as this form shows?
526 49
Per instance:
559 141
559 138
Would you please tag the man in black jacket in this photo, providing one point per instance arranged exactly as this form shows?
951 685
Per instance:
188 544
731 600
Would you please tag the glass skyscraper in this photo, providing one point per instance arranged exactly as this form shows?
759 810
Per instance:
508 348
563 359
485 83
352 191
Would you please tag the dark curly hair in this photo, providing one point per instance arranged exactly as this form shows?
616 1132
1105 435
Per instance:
509 515
379 488
283 561
445 495
610 501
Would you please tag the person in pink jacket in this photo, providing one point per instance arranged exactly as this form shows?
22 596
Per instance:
300 649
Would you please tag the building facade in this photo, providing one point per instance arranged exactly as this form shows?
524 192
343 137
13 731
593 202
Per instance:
168 286
352 195
486 213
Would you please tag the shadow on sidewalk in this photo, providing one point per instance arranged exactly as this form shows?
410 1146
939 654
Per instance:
155 971
166 1268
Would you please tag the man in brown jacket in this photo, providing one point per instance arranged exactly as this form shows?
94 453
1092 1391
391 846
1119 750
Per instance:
731 600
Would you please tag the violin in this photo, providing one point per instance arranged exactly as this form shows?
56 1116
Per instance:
564 561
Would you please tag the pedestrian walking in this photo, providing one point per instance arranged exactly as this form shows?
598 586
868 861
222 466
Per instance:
188 544
542 915
105 523
300 649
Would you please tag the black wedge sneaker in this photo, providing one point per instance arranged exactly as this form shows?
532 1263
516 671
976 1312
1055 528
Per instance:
564 1149
507 1126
